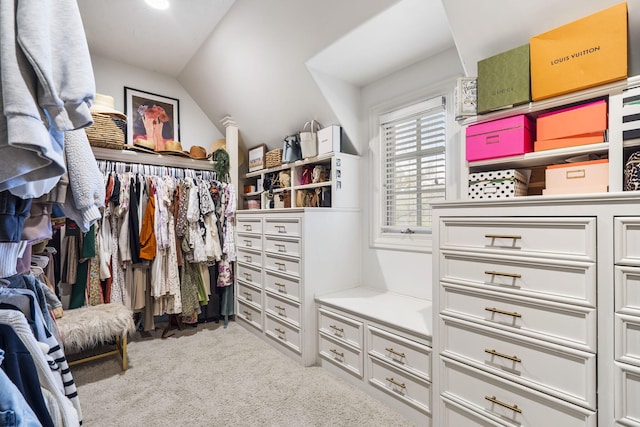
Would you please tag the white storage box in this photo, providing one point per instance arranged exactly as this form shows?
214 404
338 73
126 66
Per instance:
498 184
580 177
330 139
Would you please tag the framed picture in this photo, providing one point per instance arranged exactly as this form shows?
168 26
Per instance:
466 97
256 157
152 119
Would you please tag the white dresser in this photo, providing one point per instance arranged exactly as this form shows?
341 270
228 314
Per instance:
380 342
284 258
536 315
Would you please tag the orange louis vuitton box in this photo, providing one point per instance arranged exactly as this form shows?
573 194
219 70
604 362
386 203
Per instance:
588 52
577 125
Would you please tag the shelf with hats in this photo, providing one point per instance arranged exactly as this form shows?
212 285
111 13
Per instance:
152 158
329 180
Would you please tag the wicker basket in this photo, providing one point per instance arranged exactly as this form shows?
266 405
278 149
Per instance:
273 158
107 131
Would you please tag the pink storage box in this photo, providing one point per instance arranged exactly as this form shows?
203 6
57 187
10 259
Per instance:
500 138
582 177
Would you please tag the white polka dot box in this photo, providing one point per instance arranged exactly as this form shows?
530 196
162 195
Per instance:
498 184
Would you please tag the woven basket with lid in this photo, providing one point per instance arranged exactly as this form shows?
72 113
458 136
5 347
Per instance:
107 131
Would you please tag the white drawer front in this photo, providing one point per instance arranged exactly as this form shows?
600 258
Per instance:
628 339
401 385
283 265
250 274
290 247
627 240
283 308
561 323
544 280
552 236
248 224
627 409
340 327
283 226
283 333
248 256
249 241
283 286
400 352
249 294
250 314
454 414
627 285
341 355
569 374
506 401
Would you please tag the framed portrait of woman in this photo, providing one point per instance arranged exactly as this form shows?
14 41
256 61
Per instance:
152 119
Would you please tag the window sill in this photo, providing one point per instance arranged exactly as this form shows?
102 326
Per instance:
403 242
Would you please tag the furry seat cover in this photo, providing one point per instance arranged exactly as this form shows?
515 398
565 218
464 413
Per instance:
88 327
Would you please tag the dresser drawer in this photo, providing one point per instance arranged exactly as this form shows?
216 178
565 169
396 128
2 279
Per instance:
627 286
453 414
400 352
283 265
282 226
340 354
508 402
283 308
248 256
550 236
249 294
408 388
250 274
627 410
559 281
563 324
340 327
567 374
249 241
248 225
290 247
627 240
283 333
628 339
284 286
250 314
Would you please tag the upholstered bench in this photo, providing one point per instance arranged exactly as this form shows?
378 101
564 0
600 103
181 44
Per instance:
88 327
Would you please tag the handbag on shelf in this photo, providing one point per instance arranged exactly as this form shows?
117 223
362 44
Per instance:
306 174
309 139
291 150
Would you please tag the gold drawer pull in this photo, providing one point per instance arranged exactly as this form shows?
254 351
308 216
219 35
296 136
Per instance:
247 295
394 382
281 228
502 236
248 243
247 258
281 248
281 287
498 273
279 308
504 356
397 353
247 314
337 329
514 408
337 353
247 227
281 266
247 276
508 313
280 331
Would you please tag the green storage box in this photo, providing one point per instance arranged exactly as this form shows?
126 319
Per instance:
504 80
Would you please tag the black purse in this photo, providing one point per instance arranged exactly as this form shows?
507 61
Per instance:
291 151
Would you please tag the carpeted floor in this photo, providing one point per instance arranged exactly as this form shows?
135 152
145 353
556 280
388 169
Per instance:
212 376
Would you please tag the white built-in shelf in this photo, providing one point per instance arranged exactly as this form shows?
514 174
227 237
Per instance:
133 156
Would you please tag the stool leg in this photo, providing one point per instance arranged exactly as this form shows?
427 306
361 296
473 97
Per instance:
124 352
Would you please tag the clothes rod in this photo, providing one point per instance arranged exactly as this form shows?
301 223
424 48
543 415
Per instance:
131 156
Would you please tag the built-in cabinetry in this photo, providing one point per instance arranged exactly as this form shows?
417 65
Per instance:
381 342
336 188
536 311
284 258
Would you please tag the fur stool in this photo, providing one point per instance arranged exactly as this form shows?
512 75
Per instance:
87 327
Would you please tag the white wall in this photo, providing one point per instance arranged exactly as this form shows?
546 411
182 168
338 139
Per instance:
112 76
403 272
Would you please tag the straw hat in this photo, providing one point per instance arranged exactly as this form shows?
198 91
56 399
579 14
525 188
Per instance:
221 144
143 144
174 148
197 152
104 104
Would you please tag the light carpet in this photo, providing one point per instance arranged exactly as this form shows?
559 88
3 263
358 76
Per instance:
215 376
